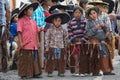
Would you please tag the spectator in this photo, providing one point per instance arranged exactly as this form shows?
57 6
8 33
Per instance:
4 22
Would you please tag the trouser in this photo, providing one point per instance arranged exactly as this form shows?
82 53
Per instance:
29 63
50 62
88 60
106 61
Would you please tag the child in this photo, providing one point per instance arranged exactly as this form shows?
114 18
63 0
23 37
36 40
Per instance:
56 42
76 32
96 31
13 31
28 62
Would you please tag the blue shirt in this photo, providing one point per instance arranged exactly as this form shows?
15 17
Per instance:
13 30
39 17
3 4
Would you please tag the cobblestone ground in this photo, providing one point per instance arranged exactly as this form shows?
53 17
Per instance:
12 75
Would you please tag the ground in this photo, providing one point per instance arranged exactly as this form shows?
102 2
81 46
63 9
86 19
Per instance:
12 75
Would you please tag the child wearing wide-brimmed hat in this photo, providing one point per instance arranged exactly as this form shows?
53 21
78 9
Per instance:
29 59
56 42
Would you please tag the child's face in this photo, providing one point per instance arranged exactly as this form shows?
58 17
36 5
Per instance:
85 6
29 12
48 2
57 22
93 15
77 14
15 18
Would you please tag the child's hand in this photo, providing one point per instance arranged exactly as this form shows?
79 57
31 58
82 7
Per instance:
102 24
97 26
112 16
21 45
38 45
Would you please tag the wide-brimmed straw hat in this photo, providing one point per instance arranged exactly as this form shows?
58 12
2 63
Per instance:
24 6
96 2
111 5
57 13
14 13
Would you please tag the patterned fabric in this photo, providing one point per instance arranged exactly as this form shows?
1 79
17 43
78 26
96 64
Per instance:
29 31
3 4
55 38
39 17
94 33
76 29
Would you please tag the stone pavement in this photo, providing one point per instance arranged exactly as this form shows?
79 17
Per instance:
12 75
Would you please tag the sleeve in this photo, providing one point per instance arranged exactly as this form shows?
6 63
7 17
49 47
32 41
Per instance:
19 28
43 23
65 37
47 39
70 34
107 23
37 28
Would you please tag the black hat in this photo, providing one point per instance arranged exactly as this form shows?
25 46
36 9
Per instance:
24 6
58 6
111 5
14 13
64 16
96 2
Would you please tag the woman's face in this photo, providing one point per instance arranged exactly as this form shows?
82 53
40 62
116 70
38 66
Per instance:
93 15
77 14
57 22
29 12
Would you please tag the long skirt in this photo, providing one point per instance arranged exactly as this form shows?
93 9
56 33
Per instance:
28 66
89 59
50 61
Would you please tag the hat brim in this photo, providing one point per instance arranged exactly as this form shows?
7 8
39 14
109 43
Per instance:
14 13
58 7
96 3
34 5
64 16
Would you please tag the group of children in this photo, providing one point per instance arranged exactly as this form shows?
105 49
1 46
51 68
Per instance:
87 42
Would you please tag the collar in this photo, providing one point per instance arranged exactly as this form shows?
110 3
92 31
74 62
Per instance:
27 18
